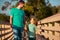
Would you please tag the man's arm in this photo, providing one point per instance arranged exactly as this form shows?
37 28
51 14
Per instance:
25 24
11 20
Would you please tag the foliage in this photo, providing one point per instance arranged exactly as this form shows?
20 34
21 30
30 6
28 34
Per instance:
54 9
5 6
37 8
40 9
43 10
4 17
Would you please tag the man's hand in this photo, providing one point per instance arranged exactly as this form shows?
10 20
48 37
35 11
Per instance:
11 22
25 28
11 25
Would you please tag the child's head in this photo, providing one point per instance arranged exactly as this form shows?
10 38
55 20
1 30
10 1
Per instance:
38 23
33 20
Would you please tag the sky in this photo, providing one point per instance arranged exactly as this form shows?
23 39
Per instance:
53 3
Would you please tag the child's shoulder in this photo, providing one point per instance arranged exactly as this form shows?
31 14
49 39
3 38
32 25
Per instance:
29 24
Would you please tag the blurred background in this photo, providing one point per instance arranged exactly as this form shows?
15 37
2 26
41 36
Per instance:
43 10
38 8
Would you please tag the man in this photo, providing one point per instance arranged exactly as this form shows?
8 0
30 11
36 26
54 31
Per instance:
17 20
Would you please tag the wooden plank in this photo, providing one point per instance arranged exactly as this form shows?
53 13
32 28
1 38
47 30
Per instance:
11 37
8 34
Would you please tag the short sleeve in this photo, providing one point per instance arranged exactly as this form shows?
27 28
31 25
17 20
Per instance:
11 12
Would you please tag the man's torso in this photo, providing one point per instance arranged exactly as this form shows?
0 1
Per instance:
18 17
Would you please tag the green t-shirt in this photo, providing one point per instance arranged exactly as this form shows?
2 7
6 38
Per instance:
18 17
32 30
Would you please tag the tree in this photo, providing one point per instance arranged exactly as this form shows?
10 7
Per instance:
6 4
29 10
3 8
14 0
42 9
54 9
58 7
4 17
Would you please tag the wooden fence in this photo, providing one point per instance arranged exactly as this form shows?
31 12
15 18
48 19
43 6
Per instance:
50 27
6 32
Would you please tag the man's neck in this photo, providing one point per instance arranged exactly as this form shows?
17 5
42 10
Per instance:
18 7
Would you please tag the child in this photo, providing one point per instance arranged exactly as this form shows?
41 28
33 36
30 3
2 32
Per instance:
32 29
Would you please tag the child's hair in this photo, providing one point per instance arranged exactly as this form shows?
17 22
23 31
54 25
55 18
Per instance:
33 19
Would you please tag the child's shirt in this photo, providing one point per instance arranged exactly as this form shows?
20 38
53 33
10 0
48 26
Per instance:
32 30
